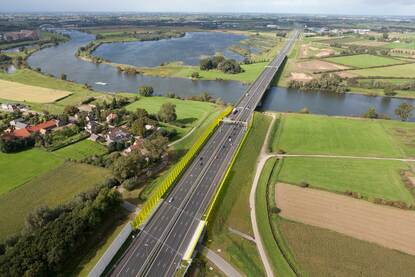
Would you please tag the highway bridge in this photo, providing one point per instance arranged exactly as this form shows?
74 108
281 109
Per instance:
167 238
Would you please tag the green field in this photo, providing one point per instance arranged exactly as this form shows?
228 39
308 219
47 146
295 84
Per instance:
401 45
325 253
370 178
364 60
403 71
19 168
232 206
279 264
55 187
81 150
313 134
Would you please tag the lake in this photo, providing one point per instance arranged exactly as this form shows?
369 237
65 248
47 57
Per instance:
61 59
188 49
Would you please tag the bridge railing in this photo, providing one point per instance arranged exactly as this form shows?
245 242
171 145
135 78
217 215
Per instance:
176 172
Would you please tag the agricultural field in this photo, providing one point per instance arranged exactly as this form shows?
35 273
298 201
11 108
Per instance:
397 71
364 60
370 178
33 78
81 150
319 252
232 209
25 93
314 134
353 217
52 188
34 162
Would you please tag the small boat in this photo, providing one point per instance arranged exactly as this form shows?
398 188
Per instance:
101 83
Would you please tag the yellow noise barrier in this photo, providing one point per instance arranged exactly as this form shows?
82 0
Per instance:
178 169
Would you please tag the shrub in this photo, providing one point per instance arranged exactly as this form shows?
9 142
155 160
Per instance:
131 183
304 184
275 210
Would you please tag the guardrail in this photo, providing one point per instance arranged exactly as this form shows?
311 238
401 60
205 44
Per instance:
218 191
178 169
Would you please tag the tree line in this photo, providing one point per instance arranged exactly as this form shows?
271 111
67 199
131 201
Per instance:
326 82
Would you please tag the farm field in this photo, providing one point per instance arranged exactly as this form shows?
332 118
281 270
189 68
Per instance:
25 93
51 188
372 179
353 217
364 60
314 134
319 252
19 168
398 71
33 78
81 150
232 209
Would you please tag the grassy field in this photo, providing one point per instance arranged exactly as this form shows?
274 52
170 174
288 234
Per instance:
52 188
313 134
404 71
19 168
364 60
80 150
232 209
279 264
33 78
325 253
372 179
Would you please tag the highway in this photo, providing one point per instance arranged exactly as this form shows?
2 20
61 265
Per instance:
160 246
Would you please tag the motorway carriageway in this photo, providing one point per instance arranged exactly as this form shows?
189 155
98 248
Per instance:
159 247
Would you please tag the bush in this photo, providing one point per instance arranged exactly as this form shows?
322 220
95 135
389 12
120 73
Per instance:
146 91
304 184
131 183
195 75
275 210
11 145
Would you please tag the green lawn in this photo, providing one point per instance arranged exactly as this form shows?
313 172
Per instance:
321 252
404 71
232 208
364 60
19 168
55 187
81 150
313 134
371 178
401 45
279 264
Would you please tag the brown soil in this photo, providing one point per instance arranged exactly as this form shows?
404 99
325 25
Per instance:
300 77
316 65
346 74
386 226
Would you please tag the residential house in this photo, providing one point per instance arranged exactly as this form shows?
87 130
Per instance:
18 123
118 135
41 128
111 117
7 107
137 145
92 126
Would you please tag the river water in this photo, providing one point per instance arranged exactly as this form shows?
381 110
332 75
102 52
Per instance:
61 59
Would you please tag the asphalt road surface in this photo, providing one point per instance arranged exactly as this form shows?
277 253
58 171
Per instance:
159 247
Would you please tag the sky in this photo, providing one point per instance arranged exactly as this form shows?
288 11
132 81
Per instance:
358 7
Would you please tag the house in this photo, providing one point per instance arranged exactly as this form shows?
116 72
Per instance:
41 128
92 126
111 117
118 135
7 107
18 123
138 144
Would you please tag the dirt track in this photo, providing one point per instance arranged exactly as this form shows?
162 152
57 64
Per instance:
386 226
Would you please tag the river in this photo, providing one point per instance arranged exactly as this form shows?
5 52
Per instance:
61 59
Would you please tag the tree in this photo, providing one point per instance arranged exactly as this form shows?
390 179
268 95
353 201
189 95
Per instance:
64 76
146 91
138 127
230 66
167 112
195 75
70 110
404 111
371 113
385 36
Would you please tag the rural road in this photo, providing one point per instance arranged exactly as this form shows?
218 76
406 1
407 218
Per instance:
263 157
223 265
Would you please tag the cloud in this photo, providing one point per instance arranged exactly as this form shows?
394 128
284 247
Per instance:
404 7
